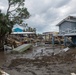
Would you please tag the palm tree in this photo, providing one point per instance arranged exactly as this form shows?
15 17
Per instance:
34 29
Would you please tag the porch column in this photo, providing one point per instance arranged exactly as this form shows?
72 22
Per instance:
53 40
65 39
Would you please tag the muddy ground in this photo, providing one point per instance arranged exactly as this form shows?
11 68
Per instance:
40 61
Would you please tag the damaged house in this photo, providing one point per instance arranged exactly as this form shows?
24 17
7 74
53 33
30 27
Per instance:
67 28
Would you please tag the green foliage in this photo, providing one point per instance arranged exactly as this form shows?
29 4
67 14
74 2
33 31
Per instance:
15 14
29 29
4 28
22 12
15 2
19 12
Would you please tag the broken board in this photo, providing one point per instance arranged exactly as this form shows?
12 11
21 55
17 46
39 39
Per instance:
22 48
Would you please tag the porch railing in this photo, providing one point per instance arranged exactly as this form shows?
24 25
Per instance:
68 32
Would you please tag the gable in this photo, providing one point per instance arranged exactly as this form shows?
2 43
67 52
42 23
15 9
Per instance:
18 30
68 19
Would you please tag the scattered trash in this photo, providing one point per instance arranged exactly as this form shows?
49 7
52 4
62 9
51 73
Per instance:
66 49
7 47
73 74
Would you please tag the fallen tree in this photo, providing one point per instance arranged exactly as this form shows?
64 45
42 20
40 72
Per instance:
16 13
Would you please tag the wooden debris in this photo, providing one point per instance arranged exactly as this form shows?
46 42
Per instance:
3 73
22 48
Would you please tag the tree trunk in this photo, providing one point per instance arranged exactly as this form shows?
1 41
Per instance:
2 42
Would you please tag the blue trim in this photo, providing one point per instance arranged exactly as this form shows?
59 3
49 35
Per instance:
18 30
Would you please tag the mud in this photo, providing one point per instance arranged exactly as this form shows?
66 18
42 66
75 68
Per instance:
41 61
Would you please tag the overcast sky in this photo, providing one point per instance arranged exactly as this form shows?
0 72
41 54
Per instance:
45 14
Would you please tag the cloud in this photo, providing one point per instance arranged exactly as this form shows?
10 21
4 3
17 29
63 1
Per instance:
45 14
3 5
59 3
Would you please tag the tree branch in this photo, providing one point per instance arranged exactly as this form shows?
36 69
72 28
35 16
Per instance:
8 9
15 8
